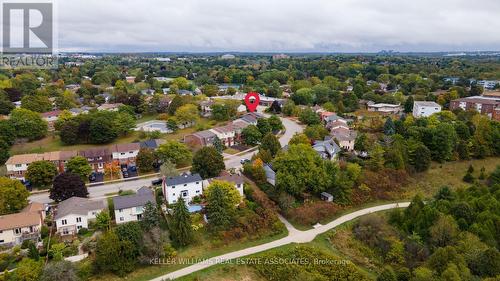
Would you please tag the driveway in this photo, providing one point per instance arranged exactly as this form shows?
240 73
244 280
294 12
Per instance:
294 236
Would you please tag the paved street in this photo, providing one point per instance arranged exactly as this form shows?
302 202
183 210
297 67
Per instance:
98 192
294 236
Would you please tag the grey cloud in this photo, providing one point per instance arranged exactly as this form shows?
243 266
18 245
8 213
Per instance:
279 25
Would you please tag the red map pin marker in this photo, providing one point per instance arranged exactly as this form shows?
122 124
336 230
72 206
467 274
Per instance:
252 101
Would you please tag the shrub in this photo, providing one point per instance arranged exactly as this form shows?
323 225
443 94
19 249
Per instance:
311 213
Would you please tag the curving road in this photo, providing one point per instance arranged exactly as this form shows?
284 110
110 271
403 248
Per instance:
294 236
100 191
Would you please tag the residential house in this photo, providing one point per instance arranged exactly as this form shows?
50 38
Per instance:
346 139
130 79
227 57
59 158
425 108
237 180
97 157
384 108
325 114
483 105
74 213
17 165
22 226
488 84
110 106
148 92
51 118
226 134
131 207
327 149
251 118
206 107
185 186
125 153
185 92
200 139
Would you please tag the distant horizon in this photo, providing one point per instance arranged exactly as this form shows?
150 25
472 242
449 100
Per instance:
282 52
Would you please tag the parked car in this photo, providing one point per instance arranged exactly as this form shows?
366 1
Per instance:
244 161
92 177
125 174
133 168
156 182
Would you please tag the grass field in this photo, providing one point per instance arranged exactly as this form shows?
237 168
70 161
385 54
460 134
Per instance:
449 174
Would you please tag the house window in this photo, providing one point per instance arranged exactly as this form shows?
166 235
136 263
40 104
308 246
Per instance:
18 165
131 152
65 231
120 211
173 194
197 191
185 184
79 219
138 209
17 231
123 153
173 186
64 222
139 217
1 241
197 182
79 227
184 193
93 213
121 218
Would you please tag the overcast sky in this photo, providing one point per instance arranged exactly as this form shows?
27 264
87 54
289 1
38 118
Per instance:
278 25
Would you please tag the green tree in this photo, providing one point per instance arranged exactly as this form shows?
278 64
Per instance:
231 192
408 106
103 220
123 123
67 185
299 170
220 207
303 96
187 114
208 162
309 117
251 135
13 196
102 130
66 100
376 161
168 169
28 124
264 126
387 275
175 104
172 124
271 143
145 160
175 152
389 127
37 102
217 143
79 165
28 270
275 123
316 132
114 255
299 139
181 230
150 216
6 106
419 156
41 173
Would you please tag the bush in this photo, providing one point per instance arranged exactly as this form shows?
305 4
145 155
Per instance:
83 231
312 213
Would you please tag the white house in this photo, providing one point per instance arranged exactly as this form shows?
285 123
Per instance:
425 108
384 108
25 225
17 165
185 186
75 213
130 207
237 180
125 153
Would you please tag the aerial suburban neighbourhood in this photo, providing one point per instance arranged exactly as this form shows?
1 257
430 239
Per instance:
222 140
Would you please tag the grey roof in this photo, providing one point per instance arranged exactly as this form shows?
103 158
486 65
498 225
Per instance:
143 196
182 179
77 206
237 179
328 148
326 194
426 103
205 134
270 174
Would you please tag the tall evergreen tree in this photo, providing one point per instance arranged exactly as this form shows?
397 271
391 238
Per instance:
180 225
389 127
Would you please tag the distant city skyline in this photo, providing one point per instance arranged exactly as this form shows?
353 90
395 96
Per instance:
331 26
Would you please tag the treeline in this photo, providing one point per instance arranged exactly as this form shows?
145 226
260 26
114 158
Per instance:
453 236
95 127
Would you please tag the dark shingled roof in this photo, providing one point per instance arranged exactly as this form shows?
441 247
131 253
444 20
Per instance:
182 179
143 196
